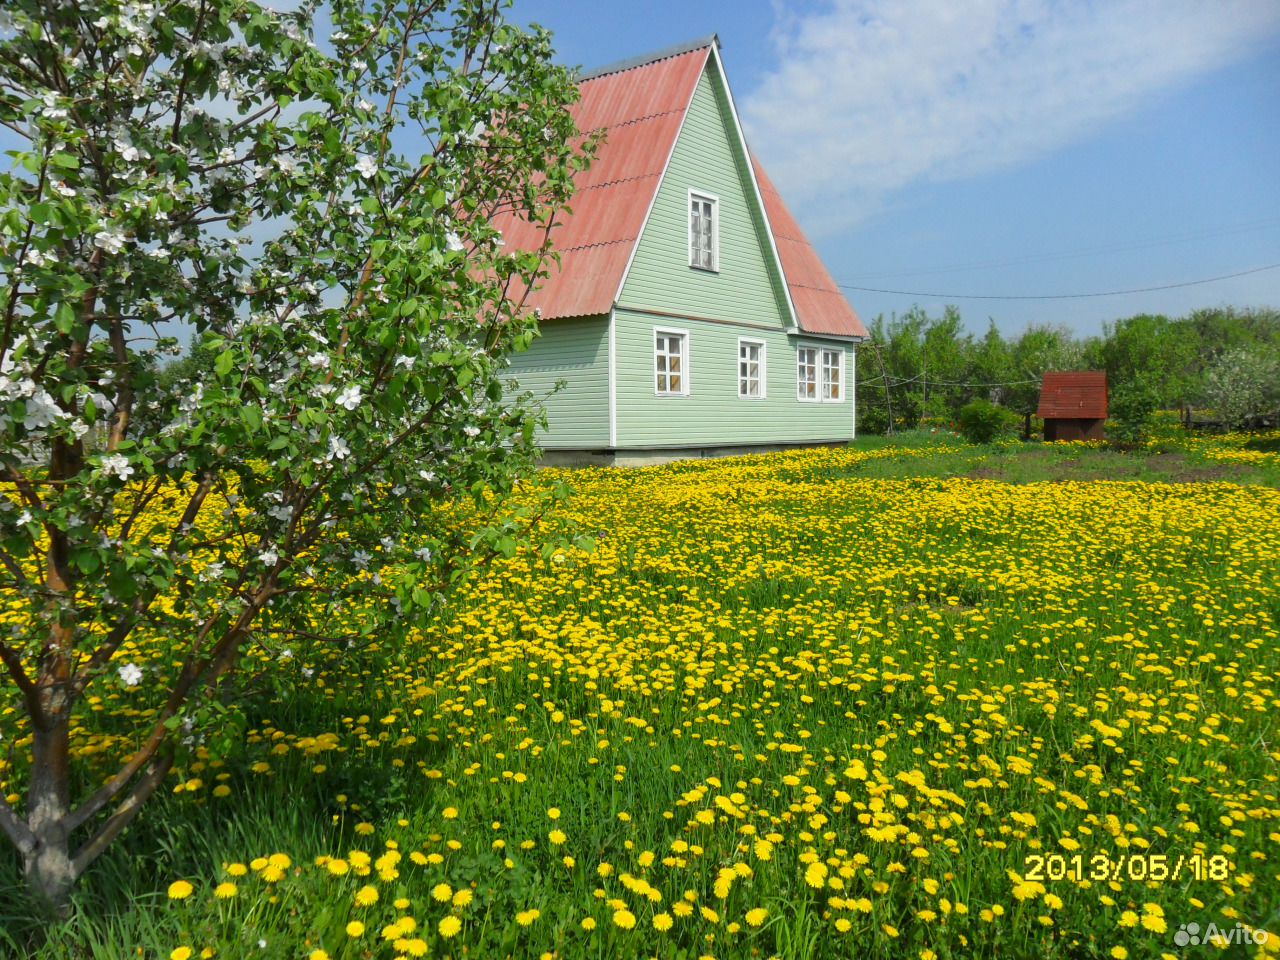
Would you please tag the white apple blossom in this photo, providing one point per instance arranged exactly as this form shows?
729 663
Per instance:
109 240
130 674
349 398
366 166
117 464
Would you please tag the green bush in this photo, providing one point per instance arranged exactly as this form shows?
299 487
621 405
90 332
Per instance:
873 420
1132 406
981 421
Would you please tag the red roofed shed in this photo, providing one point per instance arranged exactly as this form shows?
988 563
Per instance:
1073 404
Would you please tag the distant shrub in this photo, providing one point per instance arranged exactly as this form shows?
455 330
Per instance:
1132 408
873 420
981 421
907 411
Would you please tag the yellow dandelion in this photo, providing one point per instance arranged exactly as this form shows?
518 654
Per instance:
449 926
180 890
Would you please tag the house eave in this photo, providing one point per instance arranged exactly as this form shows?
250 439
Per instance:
843 337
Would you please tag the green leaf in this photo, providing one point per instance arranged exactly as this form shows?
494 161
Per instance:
65 318
222 366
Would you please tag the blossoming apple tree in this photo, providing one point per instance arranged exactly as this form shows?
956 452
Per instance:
302 203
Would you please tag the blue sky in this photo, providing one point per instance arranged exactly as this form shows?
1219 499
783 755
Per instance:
1011 147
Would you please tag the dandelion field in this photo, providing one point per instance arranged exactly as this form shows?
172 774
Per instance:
804 704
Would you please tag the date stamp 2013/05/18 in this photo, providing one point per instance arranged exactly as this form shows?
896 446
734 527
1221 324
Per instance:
1137 867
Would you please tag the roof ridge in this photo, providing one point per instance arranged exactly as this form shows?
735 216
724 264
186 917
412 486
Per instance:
644 60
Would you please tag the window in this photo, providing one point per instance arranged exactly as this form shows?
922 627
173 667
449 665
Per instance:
751 369
671 362
807 373
832 374
704 228
810 362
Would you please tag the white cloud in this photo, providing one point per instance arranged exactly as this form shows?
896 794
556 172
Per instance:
871 96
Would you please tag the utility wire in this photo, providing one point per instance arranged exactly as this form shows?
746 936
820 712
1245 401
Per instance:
898 382
1057 296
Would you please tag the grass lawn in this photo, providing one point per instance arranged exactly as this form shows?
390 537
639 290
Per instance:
906 699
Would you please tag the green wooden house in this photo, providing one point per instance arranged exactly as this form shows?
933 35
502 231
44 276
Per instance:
689 315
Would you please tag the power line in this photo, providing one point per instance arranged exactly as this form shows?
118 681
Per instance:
1057 296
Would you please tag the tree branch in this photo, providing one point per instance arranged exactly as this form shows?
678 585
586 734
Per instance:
20 677
19 833
123 814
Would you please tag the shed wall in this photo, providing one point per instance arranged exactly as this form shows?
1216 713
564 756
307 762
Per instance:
1073 429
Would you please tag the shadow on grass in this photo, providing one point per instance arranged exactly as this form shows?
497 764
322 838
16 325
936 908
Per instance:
291 810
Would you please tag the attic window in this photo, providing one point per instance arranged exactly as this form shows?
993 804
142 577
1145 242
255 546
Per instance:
704 231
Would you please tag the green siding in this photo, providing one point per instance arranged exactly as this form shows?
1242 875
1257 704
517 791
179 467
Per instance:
712 413
576 351
746 293
707 157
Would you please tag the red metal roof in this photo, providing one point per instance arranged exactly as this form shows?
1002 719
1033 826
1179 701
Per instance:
640 110
820 306
640 106
1073 395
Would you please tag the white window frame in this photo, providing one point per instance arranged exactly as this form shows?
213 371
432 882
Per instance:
825 368
683 335
762 364
715 229
800 381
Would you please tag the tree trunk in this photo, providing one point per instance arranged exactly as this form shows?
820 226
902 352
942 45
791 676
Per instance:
49 868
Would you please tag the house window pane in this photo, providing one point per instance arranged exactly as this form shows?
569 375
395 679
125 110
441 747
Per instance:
807 373
750 369
702 232
832 374
669 363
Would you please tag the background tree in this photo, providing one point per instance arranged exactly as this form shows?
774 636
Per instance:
992 365
1241 385
1154 349
311 213
1038 350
